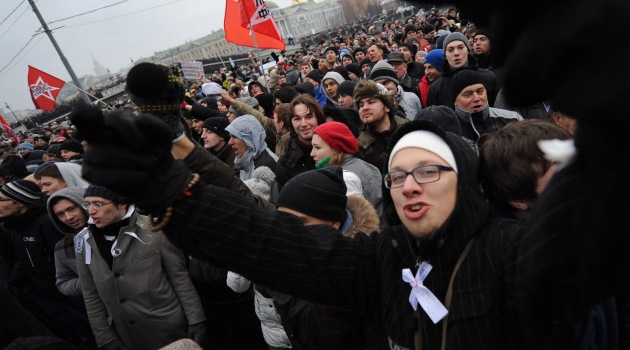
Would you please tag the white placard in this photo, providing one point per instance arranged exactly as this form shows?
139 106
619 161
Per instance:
191 69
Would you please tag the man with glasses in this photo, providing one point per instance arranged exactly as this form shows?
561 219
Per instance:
135 283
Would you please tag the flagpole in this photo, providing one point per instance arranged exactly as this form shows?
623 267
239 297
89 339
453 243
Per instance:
253 34
63 58
87 93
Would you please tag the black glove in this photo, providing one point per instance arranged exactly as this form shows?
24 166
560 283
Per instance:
131 156
114 345
198 333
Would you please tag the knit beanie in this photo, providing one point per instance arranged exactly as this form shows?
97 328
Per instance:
22 191
334 76
338 136
155 87
383 70
250 101
435 58
456 36
443 116
342 71
217 125
71 145
292 77
316 75
25 145
411 48
100 191
261 181
346 88
13 167
463 79
428 28
354 68
267 101
485 32
320 193
426 140
305 88
409 28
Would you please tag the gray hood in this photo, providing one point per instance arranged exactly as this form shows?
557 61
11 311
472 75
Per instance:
74 194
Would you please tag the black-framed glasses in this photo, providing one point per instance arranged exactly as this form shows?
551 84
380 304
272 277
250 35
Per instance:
422 175
95 205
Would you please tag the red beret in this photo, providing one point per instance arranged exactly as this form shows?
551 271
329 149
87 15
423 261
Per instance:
338 136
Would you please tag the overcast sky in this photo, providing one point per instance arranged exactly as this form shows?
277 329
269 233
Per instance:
111 31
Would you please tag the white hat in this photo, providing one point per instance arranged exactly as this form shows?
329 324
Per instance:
210 89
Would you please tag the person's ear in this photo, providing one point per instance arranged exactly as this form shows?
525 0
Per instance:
336 225
519 205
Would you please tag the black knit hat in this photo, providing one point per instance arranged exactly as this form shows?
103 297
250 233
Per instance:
71 145
13 167
305 88
410 27
22 191
217 125
354 68
320 193
443 116
343 71
383 70
463 79
155 87
316 75
100 191
346 88
428 28
267 101
411 48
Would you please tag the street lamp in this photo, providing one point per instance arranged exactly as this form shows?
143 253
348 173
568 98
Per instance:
14 116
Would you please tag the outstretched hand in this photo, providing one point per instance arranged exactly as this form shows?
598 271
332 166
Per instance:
130 155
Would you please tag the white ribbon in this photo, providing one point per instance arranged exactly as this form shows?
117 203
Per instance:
421 294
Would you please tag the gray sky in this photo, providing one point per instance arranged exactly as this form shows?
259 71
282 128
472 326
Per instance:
112 31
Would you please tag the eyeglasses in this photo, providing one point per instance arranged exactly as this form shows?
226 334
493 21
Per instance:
69 210
95 205
422 175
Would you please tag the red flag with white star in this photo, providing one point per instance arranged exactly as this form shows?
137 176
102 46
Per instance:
241 14
44 88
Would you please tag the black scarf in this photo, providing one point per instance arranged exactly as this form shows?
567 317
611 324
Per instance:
105 246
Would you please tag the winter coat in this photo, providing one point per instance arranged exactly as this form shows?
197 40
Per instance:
474 125
373 145
146 300
295 160
65 258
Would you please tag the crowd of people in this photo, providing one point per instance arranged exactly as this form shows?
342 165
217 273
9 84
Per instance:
371 191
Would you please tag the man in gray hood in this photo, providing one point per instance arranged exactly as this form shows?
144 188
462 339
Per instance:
65 209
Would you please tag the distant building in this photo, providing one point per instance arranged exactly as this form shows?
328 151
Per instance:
307 18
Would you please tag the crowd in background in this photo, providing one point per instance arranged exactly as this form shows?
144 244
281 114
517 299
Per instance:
338 134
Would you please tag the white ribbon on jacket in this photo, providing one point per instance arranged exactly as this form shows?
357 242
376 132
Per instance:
421 294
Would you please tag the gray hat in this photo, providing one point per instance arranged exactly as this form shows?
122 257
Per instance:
456 36
383 70
250 101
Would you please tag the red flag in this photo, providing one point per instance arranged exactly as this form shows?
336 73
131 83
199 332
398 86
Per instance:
239 14
6 128
44 88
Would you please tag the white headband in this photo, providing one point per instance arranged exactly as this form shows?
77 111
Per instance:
425 140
